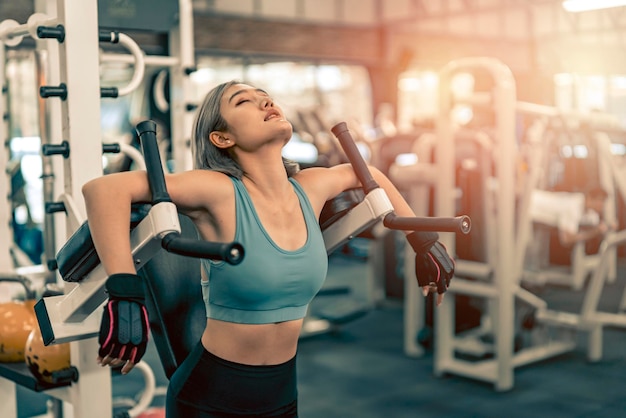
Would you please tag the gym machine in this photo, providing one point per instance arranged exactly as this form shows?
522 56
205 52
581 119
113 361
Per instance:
541 136
374 211
75 315
5 211
489 352
73 95
76 40
175 20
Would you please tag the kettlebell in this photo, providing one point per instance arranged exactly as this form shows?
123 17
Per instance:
17 320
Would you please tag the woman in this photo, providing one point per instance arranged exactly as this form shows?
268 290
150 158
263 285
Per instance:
242 189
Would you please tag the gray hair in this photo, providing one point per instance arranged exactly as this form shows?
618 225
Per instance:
208 119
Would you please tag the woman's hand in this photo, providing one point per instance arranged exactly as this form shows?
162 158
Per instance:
432 288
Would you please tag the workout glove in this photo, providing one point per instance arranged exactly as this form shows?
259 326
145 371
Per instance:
124 327
432 262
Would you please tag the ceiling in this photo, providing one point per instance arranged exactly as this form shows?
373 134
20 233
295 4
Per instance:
560 40
527 34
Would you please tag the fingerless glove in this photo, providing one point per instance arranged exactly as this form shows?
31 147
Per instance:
124 327
432 262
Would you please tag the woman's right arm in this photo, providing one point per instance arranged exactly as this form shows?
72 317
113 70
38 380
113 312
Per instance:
108 201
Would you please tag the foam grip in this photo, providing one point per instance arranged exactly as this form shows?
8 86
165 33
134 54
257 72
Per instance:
434 266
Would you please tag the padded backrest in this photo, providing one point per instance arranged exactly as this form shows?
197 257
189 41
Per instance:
174 302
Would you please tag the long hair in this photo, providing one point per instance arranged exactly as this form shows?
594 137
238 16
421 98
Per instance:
208 119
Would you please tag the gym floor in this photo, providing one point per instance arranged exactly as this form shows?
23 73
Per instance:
361 370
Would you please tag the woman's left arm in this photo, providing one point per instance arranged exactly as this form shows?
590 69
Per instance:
323 184
434 267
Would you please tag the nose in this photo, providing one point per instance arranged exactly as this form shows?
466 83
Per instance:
267 102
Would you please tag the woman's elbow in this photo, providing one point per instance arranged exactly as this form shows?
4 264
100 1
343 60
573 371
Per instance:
92 189
88 189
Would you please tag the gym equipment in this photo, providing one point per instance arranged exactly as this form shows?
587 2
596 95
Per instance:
17 319
5 185
378 205
38 25
71 317
538 141
138 61
495 279
17 322
490 352
174 19
50 364
73 108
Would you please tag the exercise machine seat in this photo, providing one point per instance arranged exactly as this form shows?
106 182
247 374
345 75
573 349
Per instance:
174 302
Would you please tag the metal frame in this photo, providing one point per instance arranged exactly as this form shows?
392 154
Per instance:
75 63
503 289
77 70
417 179
582 264
497 280
5 210
75 315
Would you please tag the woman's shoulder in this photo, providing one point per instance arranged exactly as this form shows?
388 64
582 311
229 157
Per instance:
194 176
326 182
199 187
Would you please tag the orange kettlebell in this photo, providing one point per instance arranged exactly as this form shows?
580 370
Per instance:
17 320
47 363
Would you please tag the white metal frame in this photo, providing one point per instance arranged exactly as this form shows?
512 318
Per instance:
74 316
417 179
501 290
582 264
180 63
182 47
497 280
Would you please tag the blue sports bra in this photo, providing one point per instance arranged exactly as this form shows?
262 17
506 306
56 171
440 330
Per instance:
270 284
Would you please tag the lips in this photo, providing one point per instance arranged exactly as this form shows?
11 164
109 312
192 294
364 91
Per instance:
272 114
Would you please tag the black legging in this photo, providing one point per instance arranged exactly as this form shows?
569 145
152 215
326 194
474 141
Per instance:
206 386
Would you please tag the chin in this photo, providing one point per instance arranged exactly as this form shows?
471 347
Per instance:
288 131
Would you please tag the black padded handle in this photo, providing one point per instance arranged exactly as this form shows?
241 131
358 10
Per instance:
460 224
354 156
442 224
156 178
232 252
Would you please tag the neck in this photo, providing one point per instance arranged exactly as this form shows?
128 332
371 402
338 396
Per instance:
266 175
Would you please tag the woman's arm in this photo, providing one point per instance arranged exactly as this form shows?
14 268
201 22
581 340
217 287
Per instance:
108 201
323 184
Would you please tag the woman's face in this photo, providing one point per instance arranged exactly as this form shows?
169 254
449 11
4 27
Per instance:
252 117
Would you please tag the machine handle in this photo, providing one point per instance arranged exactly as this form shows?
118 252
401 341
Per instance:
232 252
460 224
147 136
354 156
442 224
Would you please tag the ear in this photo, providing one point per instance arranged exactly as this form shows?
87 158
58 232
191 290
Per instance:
220 140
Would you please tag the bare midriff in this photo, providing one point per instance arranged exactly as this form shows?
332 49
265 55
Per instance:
252 344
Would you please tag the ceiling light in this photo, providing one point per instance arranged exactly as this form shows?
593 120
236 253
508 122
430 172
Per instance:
587 5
